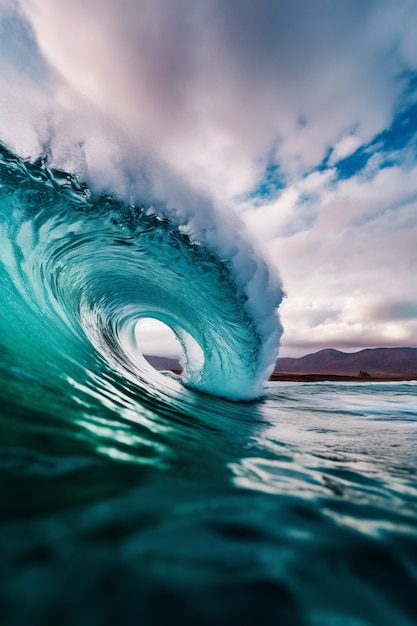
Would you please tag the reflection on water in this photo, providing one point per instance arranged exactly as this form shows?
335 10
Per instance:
297 509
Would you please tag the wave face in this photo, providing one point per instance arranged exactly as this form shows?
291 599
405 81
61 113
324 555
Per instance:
79 270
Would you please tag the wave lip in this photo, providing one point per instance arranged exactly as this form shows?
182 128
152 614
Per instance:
99 265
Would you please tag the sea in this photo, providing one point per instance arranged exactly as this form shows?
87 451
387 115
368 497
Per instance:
134 497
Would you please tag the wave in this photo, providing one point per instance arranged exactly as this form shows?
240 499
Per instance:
79 269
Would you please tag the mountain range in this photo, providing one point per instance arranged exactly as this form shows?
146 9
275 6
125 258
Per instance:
372 361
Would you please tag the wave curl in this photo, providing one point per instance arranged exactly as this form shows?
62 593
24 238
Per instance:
93 266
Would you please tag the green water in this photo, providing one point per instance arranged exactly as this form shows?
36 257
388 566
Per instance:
298 509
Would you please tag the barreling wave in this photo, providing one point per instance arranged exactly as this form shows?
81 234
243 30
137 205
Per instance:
80 269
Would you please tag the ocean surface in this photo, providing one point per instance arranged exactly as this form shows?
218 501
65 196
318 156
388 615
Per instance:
134 497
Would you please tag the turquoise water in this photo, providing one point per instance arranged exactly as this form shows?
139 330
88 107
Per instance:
131 497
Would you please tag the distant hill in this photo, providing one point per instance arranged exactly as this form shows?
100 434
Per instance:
374 361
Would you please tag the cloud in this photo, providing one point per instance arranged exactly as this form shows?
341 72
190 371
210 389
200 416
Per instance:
212 87
359 256
344 148
155 338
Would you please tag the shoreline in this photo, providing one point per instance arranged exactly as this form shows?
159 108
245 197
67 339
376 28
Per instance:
305 377
311 378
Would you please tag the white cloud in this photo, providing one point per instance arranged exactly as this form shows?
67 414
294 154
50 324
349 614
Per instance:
344 148
155 338
210 87
357 261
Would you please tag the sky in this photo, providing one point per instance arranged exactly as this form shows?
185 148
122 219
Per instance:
297 116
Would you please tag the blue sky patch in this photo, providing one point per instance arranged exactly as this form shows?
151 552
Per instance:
401 133
272 182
